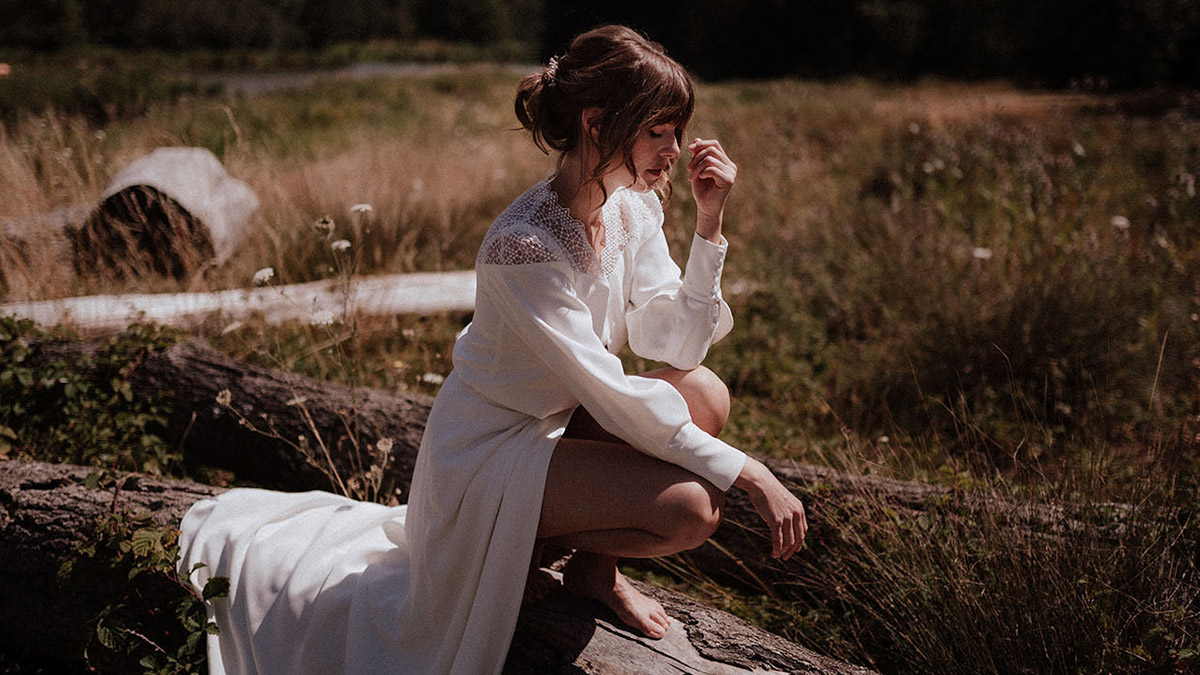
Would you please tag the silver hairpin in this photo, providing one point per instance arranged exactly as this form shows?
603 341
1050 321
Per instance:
552 72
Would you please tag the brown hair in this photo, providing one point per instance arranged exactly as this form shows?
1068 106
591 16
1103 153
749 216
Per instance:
629 78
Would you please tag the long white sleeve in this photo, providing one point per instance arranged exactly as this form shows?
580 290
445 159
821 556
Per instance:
674 320
539 304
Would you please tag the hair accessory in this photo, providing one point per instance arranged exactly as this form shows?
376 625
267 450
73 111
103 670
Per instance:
551 75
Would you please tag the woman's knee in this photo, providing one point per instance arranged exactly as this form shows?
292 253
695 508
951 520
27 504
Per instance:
706 395
694 509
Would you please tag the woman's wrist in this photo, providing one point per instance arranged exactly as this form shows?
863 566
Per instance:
753 476
709 227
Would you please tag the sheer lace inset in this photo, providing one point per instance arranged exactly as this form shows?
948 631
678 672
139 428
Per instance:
537 229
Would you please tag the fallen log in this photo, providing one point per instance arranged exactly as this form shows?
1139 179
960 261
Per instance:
189 377
46 510
852 517
418 293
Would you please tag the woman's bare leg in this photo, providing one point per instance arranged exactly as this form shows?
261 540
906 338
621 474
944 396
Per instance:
608 500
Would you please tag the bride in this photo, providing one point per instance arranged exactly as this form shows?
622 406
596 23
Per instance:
538 435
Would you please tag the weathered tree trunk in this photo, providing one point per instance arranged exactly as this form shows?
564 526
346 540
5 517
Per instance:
189 376
45 510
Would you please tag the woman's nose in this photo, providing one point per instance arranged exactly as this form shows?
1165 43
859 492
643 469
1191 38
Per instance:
670 147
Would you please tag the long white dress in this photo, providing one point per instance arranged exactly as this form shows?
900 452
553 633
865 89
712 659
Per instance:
321 584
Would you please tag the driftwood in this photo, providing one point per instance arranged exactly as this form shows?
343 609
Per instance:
46 509
418 293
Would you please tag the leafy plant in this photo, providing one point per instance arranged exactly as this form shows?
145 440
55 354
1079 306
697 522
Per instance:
132 560
79 407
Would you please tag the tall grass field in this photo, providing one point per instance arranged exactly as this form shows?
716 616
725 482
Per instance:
969 285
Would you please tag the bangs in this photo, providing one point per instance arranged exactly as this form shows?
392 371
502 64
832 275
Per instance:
670 97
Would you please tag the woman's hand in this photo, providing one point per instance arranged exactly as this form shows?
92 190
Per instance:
777 506
712 175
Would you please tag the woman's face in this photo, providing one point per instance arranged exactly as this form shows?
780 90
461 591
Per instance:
654 151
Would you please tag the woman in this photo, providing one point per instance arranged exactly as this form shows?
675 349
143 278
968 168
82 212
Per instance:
537 434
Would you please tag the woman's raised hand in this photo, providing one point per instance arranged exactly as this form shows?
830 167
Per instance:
712 175
776 505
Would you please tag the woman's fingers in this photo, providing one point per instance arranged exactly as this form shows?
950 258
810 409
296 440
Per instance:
789 539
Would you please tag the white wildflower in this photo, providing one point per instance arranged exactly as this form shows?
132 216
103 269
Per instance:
361 208
1120 222
1077 148
914 128
384 445
224 398
981 253
432 378
323 317
340 246
264 276
883 440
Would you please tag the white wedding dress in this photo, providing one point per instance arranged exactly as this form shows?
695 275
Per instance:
322 585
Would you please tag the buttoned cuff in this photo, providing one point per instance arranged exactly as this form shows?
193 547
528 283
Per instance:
702 278
706 456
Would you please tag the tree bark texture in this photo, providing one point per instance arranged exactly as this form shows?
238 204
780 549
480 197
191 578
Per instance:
45 510
843 510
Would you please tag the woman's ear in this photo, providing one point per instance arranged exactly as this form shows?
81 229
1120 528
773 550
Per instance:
589 122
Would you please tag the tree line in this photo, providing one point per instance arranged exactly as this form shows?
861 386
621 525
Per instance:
1121 43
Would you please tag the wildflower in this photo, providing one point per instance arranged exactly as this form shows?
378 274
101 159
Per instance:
340 246
324 226
263 276
384 445
432 378
1120 222
321 318
1077 148
981 253
361 208
224 398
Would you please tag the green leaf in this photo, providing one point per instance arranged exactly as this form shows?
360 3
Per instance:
145 540
110 637
216 587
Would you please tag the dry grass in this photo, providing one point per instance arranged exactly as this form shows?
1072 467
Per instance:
963 284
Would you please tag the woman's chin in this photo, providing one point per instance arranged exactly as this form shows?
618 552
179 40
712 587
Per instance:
650 181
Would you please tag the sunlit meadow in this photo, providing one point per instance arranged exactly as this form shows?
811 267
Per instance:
974 286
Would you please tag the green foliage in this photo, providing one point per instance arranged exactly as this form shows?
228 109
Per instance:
98 84
128 561
78 407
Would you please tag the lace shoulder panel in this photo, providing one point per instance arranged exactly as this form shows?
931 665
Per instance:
641 213
536 229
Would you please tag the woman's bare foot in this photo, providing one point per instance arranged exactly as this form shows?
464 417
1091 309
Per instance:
596 577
